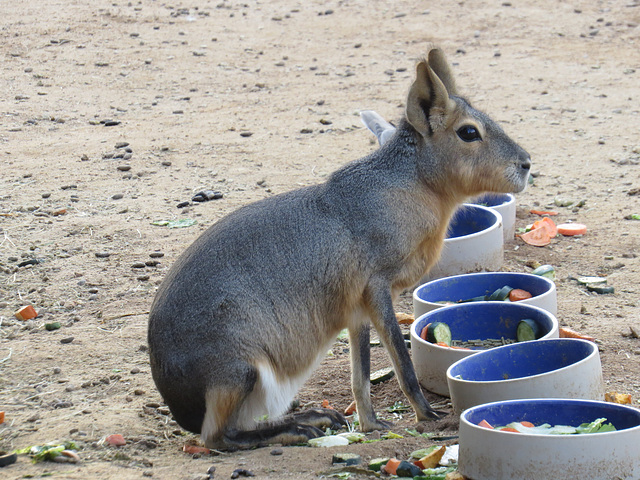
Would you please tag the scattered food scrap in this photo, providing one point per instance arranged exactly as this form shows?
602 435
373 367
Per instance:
571 229
404 318
53 452
115 439
26 313
569 333
615 397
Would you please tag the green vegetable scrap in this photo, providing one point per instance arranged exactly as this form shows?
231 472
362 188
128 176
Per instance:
47 452
438 473
182 223
398 407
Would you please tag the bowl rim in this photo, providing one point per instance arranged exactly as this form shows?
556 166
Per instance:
511 198
527 401
494 226
517 305
416 291
538 343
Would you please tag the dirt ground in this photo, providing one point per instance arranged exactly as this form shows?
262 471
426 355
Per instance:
251 100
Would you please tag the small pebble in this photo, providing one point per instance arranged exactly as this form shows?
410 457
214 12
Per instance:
143 278
56 370
110 123
242 472
135 370
277 451
183 204
66 340
102 254
124 168
138 265
117 196
138 392
156 254
122 144
46 195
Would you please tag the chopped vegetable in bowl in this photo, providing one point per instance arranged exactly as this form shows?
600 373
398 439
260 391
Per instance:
597 426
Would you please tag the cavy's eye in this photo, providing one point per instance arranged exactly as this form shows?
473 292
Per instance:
469 133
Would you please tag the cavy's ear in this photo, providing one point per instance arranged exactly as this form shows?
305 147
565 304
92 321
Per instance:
428 104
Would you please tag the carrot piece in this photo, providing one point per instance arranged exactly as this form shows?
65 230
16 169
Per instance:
485 424
509 429
442 344
547 224
1 417
26 313
325 404
193 449
538 237
517 294
570 229
423 333
391 466
568 333
543 212
115 439
524 423
351 409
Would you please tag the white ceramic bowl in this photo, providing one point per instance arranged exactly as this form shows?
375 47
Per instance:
474 243
505 205
552 368
487 454
462 287
477 320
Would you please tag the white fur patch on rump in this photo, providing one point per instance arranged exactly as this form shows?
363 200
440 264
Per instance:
270 399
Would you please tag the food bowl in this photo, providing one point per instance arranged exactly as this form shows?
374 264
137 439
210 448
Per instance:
474 243
462 287
487 454
552 368
505 205
467 321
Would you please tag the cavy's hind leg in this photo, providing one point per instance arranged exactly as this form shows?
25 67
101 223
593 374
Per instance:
321 418
248 414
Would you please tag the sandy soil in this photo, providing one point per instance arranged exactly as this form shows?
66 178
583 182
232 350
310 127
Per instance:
253 99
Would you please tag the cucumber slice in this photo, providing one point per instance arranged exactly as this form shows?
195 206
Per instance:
528 330
481 298
377 463
545 271
601 289
381 375
438 332
500 295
